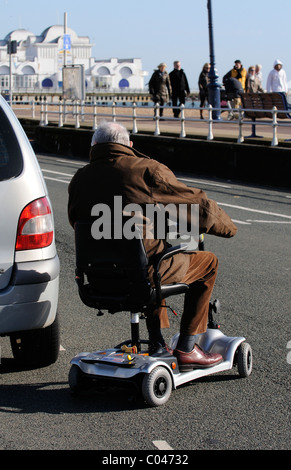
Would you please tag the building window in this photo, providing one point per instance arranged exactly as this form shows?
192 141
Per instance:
47 83
103 71
125 72
27 70
4 70
4 81
25 81
102 82
124 83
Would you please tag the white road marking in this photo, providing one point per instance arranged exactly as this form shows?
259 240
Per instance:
241 222
254 210
269 221
71 162
56 179
162 445
204 182
58 173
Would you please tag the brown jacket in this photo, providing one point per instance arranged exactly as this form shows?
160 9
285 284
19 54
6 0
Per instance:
116 169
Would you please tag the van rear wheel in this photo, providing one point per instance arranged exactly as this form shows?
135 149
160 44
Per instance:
37 348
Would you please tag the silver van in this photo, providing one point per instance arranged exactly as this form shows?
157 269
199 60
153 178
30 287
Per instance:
29 264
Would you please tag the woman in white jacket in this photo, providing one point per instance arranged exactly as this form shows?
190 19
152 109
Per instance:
277 79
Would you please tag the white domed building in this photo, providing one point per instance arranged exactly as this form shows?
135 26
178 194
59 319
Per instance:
38 62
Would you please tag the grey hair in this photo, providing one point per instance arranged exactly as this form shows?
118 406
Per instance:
111 132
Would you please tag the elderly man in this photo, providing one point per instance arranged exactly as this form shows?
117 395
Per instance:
116 168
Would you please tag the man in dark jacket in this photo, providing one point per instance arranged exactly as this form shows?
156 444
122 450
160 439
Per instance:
116 169
180 87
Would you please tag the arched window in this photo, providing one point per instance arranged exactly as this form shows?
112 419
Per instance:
124 83
125 72
4 70
103 71
28 70
47 83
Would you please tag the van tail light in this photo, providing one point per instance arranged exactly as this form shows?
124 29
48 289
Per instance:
35 226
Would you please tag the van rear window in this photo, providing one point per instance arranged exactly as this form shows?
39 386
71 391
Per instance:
10 154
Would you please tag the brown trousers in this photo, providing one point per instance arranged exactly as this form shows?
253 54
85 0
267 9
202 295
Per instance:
200 277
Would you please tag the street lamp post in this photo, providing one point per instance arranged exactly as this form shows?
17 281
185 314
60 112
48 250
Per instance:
11 49
213 86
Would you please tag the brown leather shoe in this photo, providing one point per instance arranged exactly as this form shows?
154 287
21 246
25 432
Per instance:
196 359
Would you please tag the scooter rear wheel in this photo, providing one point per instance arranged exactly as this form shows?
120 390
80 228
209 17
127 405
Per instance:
75 379
157 387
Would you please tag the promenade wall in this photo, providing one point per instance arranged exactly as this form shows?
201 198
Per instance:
252 162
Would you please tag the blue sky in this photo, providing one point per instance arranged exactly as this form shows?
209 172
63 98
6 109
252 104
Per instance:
254 31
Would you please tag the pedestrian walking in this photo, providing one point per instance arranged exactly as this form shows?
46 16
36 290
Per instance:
180 87
203 86
160 86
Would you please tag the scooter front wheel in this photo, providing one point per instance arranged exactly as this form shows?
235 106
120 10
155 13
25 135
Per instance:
244 360
157 386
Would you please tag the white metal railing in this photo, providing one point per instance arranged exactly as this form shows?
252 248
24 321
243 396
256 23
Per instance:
81 112
37 90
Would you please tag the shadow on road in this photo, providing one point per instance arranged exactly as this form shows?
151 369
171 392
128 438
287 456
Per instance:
56 398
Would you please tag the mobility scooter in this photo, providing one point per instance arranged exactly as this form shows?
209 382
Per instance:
112 275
